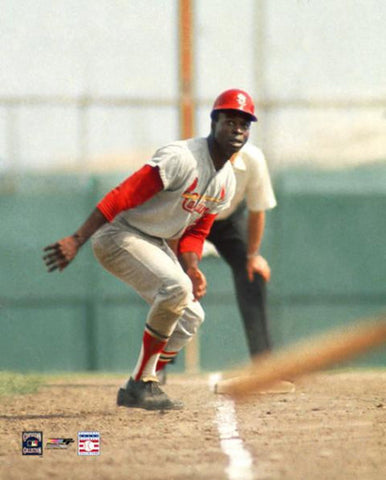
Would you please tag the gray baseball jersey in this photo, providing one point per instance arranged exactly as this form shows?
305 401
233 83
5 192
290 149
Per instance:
192 188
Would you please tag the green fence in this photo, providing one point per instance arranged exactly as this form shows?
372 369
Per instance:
325 243
328 253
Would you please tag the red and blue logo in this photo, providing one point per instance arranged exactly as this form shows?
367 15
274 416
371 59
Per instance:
89 443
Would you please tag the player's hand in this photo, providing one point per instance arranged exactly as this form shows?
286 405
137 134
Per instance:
60 254
198 281
259 265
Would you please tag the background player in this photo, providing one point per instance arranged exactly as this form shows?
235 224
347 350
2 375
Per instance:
237 235
177 194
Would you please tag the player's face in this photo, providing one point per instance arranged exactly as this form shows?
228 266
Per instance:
231 131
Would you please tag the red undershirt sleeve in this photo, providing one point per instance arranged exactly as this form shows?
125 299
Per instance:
193 238
135 190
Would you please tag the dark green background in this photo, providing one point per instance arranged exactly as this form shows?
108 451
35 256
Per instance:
325 242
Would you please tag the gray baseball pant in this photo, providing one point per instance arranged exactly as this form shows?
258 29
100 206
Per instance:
152 269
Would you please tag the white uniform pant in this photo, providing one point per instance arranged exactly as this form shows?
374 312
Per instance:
151 268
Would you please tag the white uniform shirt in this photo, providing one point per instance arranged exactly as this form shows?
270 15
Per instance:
192 188
252 182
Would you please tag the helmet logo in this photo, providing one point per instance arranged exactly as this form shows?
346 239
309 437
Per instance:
241 99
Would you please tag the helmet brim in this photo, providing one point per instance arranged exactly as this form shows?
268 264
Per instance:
249 115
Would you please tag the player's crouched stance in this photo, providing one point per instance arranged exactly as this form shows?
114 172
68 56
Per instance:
176 195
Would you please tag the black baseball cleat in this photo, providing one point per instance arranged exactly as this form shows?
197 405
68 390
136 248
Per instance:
146 394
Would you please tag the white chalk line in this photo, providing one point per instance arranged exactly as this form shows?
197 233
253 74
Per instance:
240 460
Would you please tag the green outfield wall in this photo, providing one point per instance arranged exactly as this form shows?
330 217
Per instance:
325 242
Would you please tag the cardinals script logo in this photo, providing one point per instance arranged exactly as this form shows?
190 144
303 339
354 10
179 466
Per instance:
195 202
191 200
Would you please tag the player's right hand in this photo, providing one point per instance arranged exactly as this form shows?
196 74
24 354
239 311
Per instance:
258 265
198 281
61 253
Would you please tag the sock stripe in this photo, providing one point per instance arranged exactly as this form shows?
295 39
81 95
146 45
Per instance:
168 356
154 333
165 360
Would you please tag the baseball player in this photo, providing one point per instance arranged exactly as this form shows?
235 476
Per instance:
237 235
175 195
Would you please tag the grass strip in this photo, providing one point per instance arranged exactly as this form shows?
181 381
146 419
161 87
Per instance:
12 383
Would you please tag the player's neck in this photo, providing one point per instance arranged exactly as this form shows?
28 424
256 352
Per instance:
216 154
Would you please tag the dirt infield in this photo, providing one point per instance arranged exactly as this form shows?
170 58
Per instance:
332 427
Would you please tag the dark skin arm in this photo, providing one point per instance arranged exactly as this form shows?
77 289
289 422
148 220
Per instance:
255 262
61 253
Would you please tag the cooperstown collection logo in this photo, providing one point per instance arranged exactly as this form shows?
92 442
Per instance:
192 200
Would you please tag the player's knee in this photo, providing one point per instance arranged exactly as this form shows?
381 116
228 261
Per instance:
196 318
192 319
186 326
175 298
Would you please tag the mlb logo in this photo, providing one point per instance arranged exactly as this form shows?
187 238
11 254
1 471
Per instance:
88 443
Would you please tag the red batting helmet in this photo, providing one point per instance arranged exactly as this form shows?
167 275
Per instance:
235 99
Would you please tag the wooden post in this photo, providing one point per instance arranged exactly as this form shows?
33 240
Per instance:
186 102
187 121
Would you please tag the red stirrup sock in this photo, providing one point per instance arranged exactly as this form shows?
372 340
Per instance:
152 345
164 359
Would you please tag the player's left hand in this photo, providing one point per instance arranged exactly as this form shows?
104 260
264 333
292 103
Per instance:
198 281
259 265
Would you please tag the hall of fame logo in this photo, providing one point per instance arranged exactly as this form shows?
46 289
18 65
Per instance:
89 443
